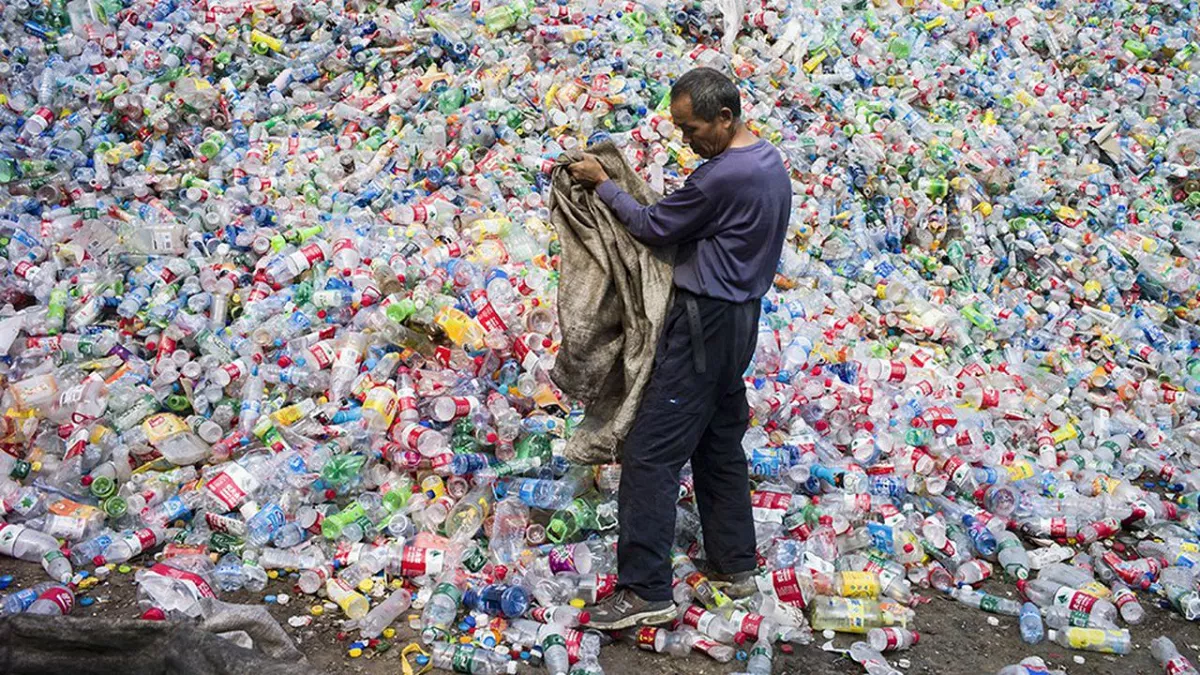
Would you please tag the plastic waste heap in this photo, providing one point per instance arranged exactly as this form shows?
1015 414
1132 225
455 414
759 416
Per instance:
277 297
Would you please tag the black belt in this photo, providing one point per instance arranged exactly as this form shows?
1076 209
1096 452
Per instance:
696 328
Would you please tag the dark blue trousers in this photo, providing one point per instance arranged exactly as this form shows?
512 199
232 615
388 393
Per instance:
694 408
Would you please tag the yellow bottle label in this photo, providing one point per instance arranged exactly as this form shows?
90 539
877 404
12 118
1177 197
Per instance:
1094 639
162 426
1064 433
383 402
260 38
289 415
1096 589
1019 470
860 585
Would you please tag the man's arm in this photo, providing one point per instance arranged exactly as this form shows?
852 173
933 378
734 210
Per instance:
677 218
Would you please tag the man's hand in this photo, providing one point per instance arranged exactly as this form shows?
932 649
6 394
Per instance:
588 171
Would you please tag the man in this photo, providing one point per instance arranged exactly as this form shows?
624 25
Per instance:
729 221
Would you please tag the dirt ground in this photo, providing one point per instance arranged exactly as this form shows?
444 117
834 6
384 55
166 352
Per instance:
954 639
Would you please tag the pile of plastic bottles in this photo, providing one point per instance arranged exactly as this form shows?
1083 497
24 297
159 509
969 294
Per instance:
278 294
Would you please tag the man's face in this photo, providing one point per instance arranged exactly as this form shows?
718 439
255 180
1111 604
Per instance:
706 138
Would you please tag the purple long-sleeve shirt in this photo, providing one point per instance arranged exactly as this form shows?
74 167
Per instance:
729 220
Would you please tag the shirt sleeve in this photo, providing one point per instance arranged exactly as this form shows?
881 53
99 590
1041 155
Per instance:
679 217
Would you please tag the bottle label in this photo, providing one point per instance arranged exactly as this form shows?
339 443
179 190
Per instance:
1178 666
886 577
411 435
646 638
1076 601
272 517
312 254
384 404
341 593
141 540
860 585
322 353
562 560
699 618
856 616
990 398
225 524
1123 597
987 602
233 369
162 426
770 507
1094 639
194 582
1096 589
751 624
787 586
1058 527
346 556
232 485
485 313
606 585
72 520
61 597
893 638
527 491
22 269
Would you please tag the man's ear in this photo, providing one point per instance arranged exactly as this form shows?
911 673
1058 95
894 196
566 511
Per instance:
726 117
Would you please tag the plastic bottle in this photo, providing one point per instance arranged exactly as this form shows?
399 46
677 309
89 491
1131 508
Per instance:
870 659
1168 656
892 639
440 611
54 601
1030 622
351 602
1107 640
132 543
467 658
385 613
851 615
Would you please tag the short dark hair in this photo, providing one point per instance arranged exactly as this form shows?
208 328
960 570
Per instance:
709 91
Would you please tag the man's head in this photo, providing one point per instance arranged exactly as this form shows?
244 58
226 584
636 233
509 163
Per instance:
707 108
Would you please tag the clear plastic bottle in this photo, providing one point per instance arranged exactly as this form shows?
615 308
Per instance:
1032 631
57 600
1165 652
1107 640
384 613
440 611
892 638
133 543
871 660
466 658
